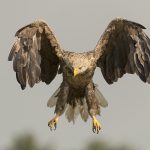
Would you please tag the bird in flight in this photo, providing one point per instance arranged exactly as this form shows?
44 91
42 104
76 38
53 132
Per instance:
37 56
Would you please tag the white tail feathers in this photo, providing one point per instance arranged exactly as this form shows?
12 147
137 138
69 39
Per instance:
84 111
100 98
72 113
53 99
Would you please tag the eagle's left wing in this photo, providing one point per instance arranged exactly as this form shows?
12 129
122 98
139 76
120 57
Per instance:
35 54
123 48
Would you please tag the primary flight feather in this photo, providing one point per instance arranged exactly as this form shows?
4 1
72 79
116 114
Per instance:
37 56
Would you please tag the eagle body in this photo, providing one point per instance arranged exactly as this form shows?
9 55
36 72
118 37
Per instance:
86 64
77 88
37 56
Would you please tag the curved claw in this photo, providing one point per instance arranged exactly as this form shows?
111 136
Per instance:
96 125
53 123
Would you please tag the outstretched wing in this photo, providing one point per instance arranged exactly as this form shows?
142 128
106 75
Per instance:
35 54
123 48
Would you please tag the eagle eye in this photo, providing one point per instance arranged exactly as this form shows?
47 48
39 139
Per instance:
69 70
80 67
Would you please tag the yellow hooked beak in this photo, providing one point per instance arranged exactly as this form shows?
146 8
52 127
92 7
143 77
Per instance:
75 72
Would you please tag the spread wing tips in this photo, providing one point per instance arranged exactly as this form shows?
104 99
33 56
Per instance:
139 25
38 23
119 19
141 56
35 54
124 48
14 50
26 59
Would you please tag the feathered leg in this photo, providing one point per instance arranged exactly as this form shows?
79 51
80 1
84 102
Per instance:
93 106
60 105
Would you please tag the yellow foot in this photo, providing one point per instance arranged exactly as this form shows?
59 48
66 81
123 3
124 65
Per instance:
96 125
53 123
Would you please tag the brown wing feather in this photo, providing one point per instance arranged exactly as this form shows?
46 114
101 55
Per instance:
35 54
123 48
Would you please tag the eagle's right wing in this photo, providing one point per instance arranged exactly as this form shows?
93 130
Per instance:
123 48
35 54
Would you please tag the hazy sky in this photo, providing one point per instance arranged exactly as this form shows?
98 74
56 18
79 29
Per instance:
77 24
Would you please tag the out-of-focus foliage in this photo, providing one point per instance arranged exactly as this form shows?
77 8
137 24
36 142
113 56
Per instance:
99 145
28 142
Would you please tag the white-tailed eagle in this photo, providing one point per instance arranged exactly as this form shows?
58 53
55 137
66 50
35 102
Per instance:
37 56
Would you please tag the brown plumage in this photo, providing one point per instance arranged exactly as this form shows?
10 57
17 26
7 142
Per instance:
37 56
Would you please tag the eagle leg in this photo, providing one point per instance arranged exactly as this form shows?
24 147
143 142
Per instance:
93 106
60 105
53 123
96 125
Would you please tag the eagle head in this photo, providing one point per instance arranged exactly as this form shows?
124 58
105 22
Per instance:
78 64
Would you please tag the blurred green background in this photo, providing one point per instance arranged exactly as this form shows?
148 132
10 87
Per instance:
30 142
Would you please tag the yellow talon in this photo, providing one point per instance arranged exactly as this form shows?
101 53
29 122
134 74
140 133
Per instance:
53 123
96 125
